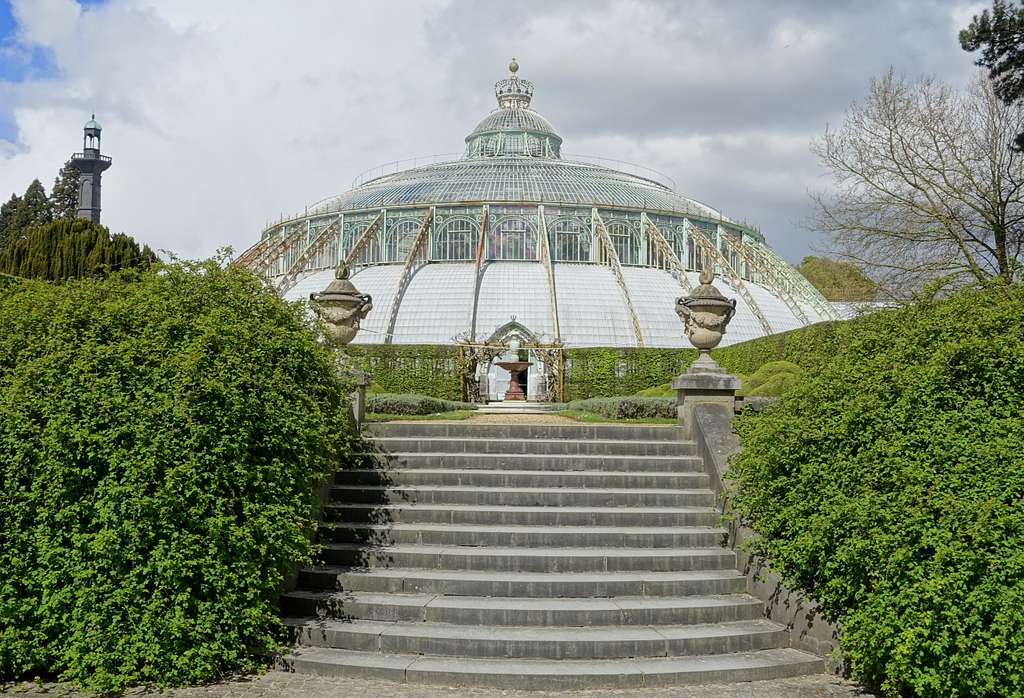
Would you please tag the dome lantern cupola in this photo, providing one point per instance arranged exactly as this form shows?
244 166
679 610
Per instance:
513 92
513 129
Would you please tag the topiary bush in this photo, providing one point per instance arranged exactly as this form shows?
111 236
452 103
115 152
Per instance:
162 435
771 380
889 485
391 403
628 407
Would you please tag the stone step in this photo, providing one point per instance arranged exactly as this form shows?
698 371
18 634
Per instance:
573 432
554 675
523 584
524 496
499 515
528 461
476 610
439 477
515 642
523 536
547 447
512 559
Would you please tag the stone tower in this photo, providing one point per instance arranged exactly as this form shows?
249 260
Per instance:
90 165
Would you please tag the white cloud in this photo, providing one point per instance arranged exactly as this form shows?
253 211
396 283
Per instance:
220 116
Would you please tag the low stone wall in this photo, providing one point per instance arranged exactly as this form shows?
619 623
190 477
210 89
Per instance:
716 443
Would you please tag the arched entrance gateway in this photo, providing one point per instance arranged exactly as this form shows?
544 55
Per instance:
484 380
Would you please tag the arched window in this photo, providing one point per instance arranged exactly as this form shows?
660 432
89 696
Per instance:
625 241
456 239
569 239
399 238
354 231
513 237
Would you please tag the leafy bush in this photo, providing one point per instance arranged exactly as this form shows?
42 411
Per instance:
663 390
390 403
771 380
889 484
162 435
629 407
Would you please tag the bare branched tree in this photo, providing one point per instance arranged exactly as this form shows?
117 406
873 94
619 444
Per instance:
927 186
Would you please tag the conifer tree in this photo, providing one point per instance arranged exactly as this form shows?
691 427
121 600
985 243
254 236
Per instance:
74 248
64 196
7 219
33 209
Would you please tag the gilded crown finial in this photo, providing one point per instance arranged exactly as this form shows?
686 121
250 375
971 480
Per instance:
514 65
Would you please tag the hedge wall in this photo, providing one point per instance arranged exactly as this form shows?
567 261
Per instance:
424 369
607 372
807 347
433 370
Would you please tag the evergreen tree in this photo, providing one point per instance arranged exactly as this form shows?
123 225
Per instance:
33 209
1000 36
64 196
7 219
74 248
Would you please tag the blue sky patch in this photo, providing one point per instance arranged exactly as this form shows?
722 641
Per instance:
19 63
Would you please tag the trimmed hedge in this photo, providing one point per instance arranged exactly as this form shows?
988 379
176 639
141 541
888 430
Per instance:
595 371
162 435
420 369
629 407
608 372
390 403
889 485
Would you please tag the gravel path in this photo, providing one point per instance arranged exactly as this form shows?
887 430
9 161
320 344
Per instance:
276 684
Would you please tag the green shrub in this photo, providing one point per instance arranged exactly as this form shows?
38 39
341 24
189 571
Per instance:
162 435
889 484
628 407
771 380
664 390
390 403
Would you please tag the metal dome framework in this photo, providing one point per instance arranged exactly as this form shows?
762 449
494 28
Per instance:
512 198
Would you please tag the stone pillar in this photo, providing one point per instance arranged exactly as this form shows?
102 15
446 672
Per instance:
362 380
702 388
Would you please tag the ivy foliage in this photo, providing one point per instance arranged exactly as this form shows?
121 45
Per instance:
607 372
423 369
889 485
162 435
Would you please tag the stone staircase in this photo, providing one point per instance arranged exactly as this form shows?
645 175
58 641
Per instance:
530 556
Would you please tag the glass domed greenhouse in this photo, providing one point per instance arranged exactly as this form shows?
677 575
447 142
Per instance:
515 239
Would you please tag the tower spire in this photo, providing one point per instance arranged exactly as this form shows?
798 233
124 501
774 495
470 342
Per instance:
90 165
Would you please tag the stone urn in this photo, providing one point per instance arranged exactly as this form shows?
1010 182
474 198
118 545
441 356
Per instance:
705 314
341 306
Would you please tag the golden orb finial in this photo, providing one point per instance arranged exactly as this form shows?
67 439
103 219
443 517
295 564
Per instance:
514 65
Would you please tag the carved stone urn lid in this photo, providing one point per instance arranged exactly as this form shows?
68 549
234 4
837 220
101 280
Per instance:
706 295
340 290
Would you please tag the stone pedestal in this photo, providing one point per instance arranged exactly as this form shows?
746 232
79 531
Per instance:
708 384
362 380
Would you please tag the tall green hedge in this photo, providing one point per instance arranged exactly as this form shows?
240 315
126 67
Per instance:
607 372
424 369
162 435
889 485
592 372
807 347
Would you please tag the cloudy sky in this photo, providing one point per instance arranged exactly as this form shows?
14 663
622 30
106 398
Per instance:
222 115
